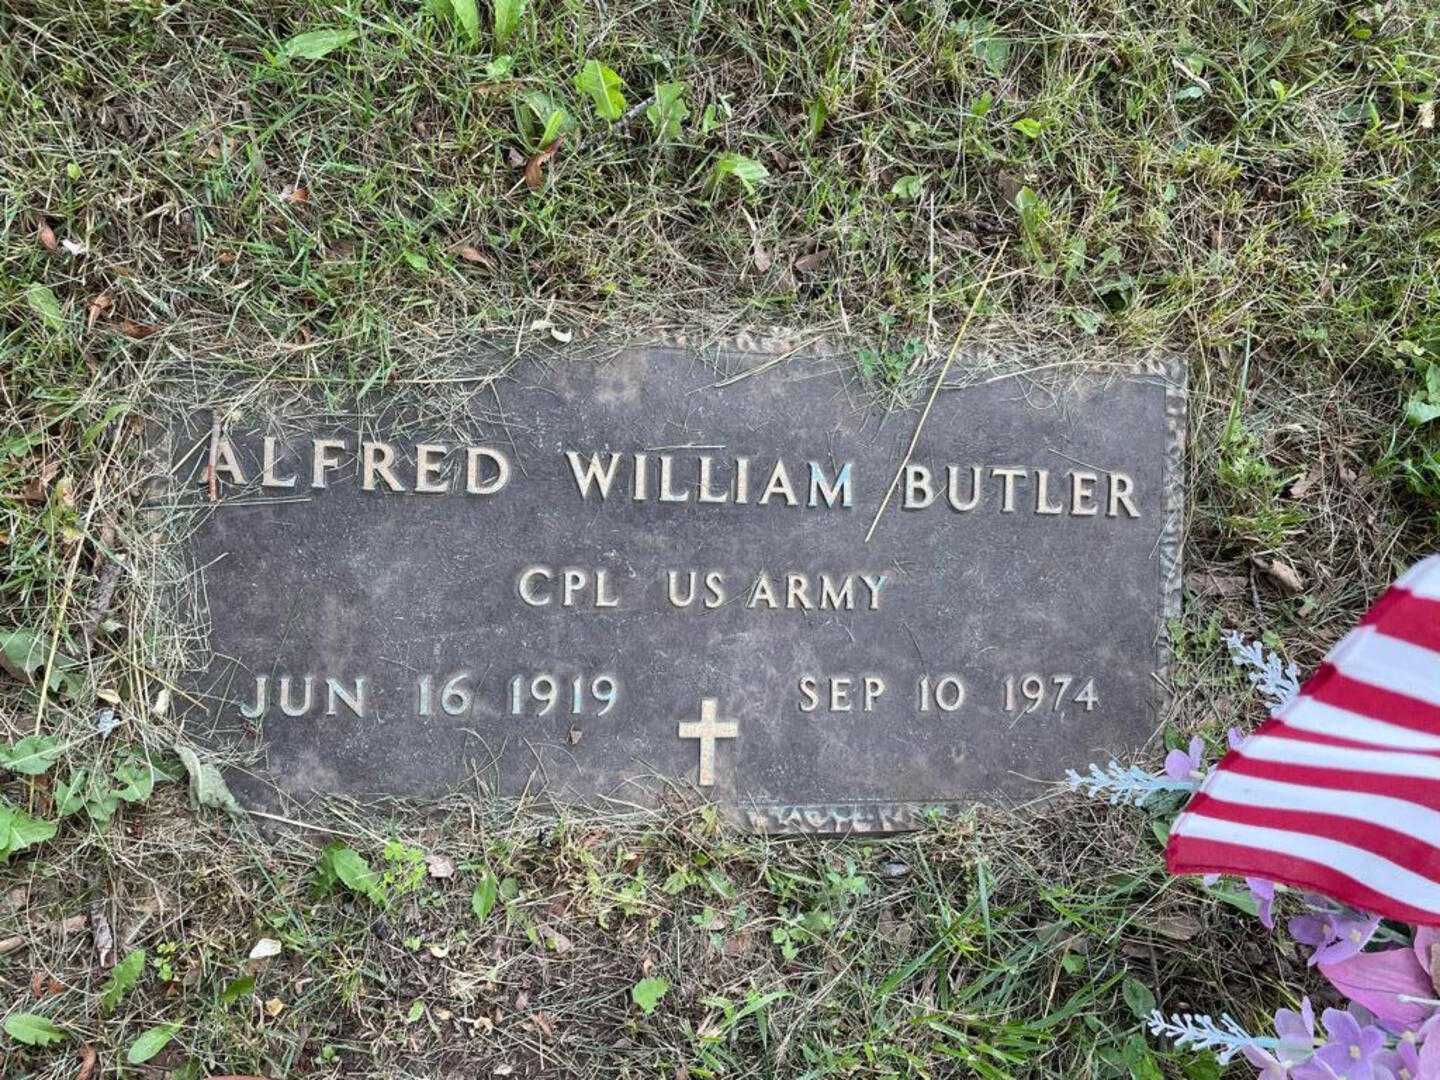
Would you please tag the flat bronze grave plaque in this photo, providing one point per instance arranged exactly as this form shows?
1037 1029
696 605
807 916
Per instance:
595 580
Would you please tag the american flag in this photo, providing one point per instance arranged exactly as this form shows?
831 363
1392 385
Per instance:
1338 792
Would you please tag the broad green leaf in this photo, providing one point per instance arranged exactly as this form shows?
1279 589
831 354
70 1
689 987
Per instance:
467 14
647 993
32 755
44 303
346 865
135 779
70 794
602 85
314 44
33 1030
1419 411
507 20
1138 996
19 830
668 112
908 188
1230 893
122 980
745 169
235 989
207 786
22 653
1029 127
541 119
151 1043
417 1010
482 900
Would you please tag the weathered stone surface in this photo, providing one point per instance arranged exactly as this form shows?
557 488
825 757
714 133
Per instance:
959 619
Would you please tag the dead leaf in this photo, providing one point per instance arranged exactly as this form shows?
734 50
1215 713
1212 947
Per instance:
575 736
137 331
295 194
104 936
74 247
533 167
264 949
560 335
1204 583
760 255
1175 927
225 258
1307 483
37 488
555 939
738 945
542 1023
472 254
1010 186
87 1062
440 866
1281 573
98 307
808 264
274 1007
43 985
439 952
46 236
1427 115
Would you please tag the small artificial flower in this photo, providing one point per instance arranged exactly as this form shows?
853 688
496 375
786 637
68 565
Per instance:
1333 936
1182 764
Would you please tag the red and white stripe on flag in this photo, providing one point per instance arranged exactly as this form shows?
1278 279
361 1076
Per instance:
1339 791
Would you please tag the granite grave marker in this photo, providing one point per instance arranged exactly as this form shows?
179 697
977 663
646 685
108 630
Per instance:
606 578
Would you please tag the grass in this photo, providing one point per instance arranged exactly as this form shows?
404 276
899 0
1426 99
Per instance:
1249 186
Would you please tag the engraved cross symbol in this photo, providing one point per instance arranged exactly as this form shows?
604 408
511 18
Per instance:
707 731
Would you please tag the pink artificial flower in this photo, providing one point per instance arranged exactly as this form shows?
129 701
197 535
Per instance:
1183 765
1351 1052
1263 893
1334 937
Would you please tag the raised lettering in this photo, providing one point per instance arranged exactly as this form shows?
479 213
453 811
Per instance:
592 473
1008 478
953 494
223 460
667 494
429 463
705 495
1121 485
323 460
918 492
355 701
779 484
473 484
839 488
378 457
1082 494
1043 505
267 469
528 575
